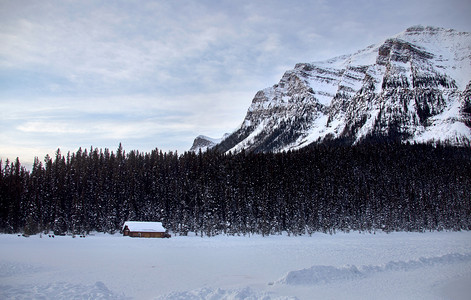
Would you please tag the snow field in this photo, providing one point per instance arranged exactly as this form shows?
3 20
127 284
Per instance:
433 265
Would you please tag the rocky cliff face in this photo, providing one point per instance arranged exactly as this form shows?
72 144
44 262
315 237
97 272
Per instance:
203 143
415 86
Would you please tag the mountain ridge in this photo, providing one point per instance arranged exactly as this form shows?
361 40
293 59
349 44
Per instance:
414 86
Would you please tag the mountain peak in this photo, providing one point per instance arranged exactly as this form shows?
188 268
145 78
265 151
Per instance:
204 143
421 29
433 35
411 87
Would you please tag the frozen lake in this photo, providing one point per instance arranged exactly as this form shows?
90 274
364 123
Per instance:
433 265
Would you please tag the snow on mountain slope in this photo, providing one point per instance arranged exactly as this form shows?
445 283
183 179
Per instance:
414 86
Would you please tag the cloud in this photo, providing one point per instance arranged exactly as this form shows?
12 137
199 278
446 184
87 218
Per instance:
139 121
53 127
145 47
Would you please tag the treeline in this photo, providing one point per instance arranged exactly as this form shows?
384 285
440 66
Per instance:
389 187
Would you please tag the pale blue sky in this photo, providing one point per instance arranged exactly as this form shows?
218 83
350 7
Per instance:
158 73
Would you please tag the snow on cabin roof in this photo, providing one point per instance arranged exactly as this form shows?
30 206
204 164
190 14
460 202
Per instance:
144 226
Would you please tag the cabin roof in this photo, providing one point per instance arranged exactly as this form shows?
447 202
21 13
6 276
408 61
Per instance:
144 226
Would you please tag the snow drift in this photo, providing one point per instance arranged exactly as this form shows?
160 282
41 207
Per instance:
324 274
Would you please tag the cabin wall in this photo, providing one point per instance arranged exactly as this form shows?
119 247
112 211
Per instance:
146 234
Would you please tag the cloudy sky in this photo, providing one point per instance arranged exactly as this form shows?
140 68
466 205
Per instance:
155 74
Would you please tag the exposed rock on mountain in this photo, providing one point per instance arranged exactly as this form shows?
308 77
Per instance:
204 143
415 86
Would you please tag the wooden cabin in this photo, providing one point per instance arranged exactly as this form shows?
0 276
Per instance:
144 229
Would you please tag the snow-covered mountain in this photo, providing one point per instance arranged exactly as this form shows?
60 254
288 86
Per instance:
204 143
415 86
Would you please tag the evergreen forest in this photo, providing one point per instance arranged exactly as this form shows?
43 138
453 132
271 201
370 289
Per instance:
321 188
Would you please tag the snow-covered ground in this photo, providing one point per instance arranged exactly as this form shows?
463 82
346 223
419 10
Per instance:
434 265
